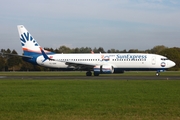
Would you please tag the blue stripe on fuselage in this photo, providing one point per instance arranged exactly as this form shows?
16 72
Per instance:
34 56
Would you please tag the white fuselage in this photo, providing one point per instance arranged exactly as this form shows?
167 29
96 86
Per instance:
117 60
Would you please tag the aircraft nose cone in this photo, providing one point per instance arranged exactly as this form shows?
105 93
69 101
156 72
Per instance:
172 64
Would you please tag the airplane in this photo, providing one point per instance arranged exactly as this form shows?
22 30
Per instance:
98 63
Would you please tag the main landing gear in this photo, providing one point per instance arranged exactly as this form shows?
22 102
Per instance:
89 73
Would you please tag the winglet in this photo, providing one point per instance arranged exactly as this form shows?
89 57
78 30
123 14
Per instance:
44 55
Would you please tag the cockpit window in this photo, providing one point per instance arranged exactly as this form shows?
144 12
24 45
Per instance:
164 59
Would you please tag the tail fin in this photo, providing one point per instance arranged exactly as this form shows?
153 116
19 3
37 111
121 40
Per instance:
29 44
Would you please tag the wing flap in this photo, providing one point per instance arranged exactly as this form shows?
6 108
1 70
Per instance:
79 65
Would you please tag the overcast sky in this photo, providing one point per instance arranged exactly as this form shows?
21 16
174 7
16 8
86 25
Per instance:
118 24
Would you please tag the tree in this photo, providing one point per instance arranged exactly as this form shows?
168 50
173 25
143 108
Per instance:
2 63
64 49
98 50
124 51
133 51
25 66
5 57
49 49
14 61
75 50
158 49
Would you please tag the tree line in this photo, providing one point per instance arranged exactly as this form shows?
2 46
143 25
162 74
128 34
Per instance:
15 63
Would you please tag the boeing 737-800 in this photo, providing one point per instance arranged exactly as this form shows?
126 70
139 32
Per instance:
101 63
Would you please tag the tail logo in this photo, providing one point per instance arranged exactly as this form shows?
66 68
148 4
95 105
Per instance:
25 37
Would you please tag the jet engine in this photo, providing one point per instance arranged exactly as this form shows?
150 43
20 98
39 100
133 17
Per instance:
104 69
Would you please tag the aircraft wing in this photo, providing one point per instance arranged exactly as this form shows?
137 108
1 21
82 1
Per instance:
79 65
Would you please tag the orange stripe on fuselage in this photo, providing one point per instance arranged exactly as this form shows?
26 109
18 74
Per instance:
37 51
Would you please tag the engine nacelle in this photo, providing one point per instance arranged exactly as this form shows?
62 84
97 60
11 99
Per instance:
104 69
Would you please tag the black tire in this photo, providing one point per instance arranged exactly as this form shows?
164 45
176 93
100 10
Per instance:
96 74
88 73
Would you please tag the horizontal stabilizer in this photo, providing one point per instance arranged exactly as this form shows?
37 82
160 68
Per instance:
10 54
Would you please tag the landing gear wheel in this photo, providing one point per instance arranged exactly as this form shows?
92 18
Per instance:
88 73
96 74
157 73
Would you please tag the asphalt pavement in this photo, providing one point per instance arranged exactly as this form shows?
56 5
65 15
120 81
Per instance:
93 77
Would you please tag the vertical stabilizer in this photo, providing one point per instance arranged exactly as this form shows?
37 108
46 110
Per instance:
29 44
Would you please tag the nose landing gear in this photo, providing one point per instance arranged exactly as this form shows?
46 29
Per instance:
157 73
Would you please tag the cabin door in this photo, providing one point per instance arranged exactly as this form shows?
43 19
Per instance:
153 60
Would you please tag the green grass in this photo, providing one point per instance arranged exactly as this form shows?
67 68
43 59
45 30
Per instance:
89 99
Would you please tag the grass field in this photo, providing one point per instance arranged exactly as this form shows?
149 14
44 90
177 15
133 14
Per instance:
88 99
